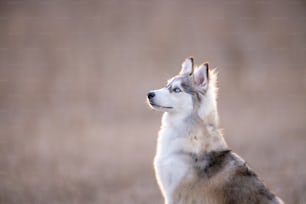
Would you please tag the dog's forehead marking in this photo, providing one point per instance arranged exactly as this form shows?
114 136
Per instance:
178 81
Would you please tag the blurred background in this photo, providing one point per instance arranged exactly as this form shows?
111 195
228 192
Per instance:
74 124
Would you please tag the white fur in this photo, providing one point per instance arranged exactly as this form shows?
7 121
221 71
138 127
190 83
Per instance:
171 166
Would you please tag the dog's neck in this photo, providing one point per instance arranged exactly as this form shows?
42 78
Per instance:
192 127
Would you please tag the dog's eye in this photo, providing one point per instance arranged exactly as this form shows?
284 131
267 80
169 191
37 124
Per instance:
177 90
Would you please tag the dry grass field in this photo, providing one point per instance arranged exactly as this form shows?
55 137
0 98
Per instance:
74 124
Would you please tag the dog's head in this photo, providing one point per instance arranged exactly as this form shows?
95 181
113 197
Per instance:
193 89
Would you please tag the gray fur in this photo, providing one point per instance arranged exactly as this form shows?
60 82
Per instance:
209 164
240 185
243 186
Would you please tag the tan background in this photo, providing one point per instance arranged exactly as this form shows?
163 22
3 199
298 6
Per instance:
74 125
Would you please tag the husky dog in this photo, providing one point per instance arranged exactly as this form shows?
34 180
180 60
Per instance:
193 163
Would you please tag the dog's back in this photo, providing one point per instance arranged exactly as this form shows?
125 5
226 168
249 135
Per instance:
223 178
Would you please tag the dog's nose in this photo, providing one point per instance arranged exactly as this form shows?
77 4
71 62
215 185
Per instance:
151 95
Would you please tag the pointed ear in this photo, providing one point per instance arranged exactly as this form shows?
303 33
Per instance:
187 66
201 76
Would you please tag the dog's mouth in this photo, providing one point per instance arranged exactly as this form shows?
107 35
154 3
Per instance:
154 105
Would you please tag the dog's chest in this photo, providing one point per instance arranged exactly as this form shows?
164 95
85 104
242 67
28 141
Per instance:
173 162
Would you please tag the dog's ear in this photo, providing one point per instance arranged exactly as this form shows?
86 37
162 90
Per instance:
201 76
187 66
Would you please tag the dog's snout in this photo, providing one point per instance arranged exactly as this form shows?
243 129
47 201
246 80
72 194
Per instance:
151 95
